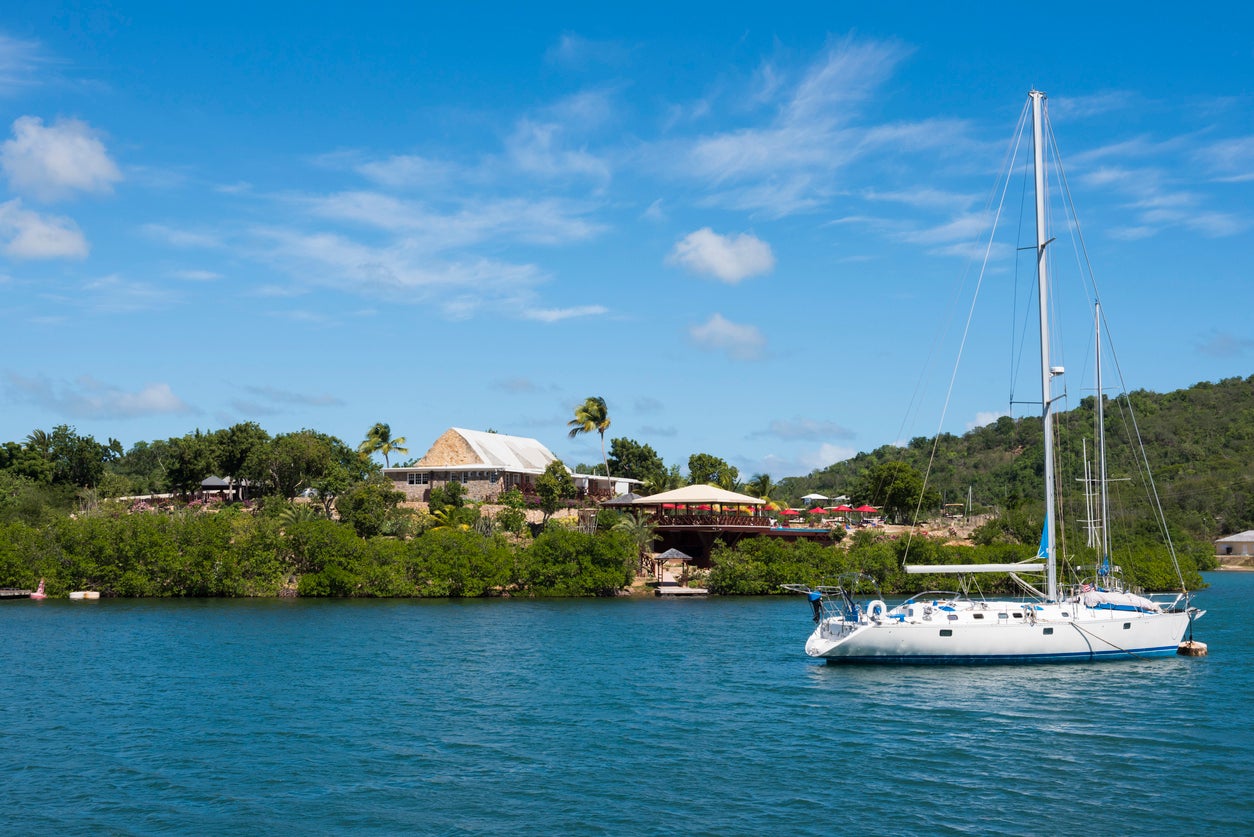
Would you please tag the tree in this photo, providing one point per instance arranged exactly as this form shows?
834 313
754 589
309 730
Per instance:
634 460
190 461
591 415
379 440
232 447
706 468
291 462
554 486
370 507
895 488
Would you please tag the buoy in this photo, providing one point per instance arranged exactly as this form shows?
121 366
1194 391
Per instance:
1192 648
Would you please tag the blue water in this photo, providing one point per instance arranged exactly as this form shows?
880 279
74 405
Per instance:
593 717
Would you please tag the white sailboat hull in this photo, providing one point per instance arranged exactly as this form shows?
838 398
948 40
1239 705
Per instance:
1041 633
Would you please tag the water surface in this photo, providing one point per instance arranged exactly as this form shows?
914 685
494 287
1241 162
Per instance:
592 717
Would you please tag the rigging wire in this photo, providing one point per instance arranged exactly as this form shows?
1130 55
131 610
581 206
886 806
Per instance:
1012 152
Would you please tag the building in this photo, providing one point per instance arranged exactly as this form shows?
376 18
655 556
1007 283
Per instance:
488 464
1236 550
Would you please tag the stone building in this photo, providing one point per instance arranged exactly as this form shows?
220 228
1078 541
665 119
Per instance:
488 464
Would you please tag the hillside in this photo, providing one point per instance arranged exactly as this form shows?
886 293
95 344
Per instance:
1199 445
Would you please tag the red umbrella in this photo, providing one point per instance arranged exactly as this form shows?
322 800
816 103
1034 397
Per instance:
865 509
841 508
668 505
790 511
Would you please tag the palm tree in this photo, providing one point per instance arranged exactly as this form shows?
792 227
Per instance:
379 440
641 531
591 415
760 486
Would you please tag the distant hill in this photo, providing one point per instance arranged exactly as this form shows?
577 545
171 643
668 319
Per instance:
1199 444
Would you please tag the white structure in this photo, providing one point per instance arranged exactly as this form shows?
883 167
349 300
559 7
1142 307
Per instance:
488 464
1240 545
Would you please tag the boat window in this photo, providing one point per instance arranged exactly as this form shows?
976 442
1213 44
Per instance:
946 632
1003 616
1127 625
953 617
1048 631
1017 615
977 615
1065 614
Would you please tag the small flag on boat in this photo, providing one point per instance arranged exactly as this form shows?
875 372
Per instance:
1086 588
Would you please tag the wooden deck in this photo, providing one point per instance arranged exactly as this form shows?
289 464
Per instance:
13 593
697 539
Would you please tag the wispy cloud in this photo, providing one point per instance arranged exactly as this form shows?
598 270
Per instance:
554 315
804 429
1226 344
177 237
275 395
20 63
116 294
736 340
87 398
578 52
727 258
52 162
521 386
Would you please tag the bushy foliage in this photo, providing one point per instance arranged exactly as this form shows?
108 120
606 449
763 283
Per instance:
566 562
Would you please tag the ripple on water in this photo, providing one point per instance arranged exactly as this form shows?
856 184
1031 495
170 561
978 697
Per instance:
642 717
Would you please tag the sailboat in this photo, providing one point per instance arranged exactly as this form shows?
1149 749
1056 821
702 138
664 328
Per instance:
1097 620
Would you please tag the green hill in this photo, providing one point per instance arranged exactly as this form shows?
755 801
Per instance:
1199 447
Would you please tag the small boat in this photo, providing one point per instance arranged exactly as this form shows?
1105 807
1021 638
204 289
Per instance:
80 595
1091 619
39 592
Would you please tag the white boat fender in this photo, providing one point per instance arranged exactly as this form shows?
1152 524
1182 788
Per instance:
876 610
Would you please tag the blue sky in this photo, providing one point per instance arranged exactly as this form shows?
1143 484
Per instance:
742 225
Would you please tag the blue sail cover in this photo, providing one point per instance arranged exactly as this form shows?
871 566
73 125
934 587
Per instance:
1042 551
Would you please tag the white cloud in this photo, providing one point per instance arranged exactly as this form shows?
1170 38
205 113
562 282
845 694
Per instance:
88 398
29 235
55 161
985 417
730 259
739 342
553 315
197 275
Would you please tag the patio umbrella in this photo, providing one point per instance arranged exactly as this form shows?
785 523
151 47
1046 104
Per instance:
865 509
790 512
841 509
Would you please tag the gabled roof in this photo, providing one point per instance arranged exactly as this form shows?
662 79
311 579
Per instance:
458 447
1240 537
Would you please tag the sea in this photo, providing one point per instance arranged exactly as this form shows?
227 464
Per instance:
626 716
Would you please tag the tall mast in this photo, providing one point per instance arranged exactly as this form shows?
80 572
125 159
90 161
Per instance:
1104 543
1047 373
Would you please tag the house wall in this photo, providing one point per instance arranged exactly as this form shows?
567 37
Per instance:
1237 548
480 485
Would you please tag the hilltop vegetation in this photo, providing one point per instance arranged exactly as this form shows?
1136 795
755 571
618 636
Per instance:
1199 446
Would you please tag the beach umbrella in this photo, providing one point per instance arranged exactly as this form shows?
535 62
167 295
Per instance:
790 512
842 509
866 509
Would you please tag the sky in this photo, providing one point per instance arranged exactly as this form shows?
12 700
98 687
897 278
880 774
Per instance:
748 227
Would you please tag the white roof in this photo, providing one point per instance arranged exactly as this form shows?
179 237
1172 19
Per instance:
1240 537
509 453
699 494
516 454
